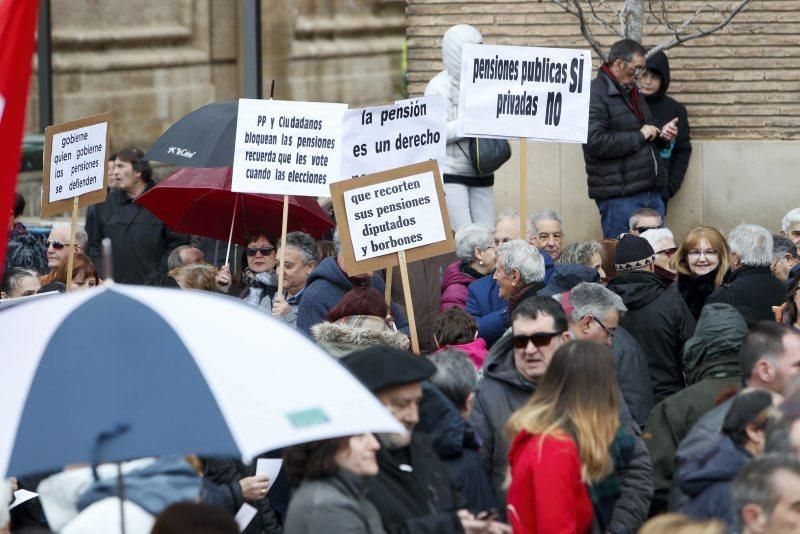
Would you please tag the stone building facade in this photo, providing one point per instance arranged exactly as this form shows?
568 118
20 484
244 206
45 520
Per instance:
741 87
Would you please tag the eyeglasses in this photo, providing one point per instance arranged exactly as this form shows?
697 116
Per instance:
56 244
637 70
539 339
706 253
668 252
609 332
265 251
642 229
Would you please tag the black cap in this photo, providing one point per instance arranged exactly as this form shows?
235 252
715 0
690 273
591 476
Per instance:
632 253
382 366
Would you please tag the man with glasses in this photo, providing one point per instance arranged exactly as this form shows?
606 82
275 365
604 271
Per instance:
622 152
512 370
58 244
595 316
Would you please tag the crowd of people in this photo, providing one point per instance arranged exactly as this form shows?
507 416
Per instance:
647 382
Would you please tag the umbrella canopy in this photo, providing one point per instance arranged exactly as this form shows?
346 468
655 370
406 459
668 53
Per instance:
127 372
200 202
203 138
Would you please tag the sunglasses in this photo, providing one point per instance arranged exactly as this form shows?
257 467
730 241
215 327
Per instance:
539 339
58 245
642 229
669 252
265 251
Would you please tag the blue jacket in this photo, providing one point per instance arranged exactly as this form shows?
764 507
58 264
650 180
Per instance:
324 287
489 310
707 479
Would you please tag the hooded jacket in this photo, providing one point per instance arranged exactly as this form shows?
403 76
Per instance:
326 284
660 321
357 332
711 361
502 390
707 480
476 351
619 161
455 284
457 446
664 108
447 83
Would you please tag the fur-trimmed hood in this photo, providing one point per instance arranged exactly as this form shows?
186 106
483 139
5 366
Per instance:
349 334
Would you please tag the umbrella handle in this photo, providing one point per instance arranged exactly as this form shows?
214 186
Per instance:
230 236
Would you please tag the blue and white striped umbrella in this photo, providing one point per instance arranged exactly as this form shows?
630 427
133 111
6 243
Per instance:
164 371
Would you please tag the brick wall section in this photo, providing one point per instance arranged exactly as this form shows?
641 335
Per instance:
742 82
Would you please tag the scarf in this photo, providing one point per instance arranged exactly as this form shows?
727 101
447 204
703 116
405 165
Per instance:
604 493
259 283
630 94
465 268
517 295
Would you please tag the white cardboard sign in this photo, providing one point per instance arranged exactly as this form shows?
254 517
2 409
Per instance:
287 148
395 215
78 162
395 135
516 91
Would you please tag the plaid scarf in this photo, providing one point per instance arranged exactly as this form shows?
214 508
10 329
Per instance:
604 494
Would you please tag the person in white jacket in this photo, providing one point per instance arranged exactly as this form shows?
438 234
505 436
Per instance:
470 198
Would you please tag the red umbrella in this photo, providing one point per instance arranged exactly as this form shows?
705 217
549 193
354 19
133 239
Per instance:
200 201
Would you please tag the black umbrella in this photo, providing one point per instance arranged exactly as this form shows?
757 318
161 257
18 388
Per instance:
203 138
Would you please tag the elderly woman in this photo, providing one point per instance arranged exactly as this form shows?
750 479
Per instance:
519 271
476 258
663 243
332 475
701 263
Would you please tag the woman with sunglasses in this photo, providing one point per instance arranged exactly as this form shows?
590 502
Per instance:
561 443
701 263
663 243
259 277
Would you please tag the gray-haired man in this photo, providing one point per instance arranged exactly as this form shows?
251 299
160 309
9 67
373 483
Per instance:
766 495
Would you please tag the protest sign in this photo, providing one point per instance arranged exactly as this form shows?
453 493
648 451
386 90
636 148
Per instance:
75 172
287 148
390 218
527 92
386 137
75 164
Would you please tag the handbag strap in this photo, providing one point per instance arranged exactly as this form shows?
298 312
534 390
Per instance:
462 151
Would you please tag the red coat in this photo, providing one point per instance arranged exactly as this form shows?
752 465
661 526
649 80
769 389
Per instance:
454 287
546 494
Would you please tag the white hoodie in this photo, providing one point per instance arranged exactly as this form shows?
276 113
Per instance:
446 83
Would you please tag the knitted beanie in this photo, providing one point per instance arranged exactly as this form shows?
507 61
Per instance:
632 253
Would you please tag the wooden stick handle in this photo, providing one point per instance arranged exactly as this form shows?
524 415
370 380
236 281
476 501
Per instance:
72 228
388 290
282 253
412 324
523 189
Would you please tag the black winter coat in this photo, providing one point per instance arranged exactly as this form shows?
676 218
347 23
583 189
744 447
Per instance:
751 290
619 161
660 321
226 473
695 290
140 242
456 445
633 375
422 500
664 108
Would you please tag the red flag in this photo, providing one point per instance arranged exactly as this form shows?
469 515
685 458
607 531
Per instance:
17 41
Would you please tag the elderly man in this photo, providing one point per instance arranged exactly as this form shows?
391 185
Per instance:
644 219
140 241
328 282
766 495
301 258
519 273
622 152
658 318
512 370
548 227
663 243
790 226
785 260
413 491
595 316
750 287
58 244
